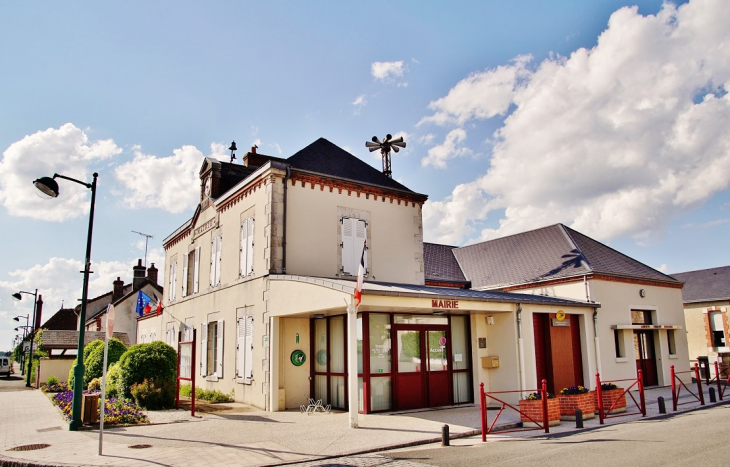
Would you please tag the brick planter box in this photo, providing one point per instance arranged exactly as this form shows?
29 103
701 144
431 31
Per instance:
609 397
534 410
570 403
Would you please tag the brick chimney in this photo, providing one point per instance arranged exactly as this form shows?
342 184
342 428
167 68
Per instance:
118 290
152 274
138 275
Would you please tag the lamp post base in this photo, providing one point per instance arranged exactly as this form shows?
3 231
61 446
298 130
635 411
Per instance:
78 391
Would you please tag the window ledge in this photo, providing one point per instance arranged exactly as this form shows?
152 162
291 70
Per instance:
244 381
673 356
213 378
622 360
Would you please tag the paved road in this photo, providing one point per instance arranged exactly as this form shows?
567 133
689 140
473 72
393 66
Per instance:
701 437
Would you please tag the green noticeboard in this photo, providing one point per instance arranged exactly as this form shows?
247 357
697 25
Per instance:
298 358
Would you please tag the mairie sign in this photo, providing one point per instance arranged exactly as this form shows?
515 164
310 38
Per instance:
445 304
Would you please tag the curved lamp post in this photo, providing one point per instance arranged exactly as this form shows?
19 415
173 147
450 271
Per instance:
25 333
49 187
18 296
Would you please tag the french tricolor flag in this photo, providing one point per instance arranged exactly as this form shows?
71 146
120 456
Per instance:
360 275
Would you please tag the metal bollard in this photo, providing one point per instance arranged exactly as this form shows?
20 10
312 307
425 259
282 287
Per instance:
445 435
713 397
578 418
662 407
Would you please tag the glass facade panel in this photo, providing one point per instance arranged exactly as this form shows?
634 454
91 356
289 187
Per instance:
459 340
320 345
380 393
359 344
360 397
320 389
337 344
337 391
380 356
437 359
409 351
421 319
462 390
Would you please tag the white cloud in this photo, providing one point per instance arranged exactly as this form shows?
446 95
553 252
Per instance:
612 140
389 72
66 151
359 103
449 221
663 268
450 148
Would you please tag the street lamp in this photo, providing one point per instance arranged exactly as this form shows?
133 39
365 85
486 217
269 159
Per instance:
49 187
18 296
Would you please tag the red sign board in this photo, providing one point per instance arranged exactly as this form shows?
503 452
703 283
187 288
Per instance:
454 304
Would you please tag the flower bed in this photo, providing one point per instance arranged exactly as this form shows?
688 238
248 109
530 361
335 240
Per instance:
55 387
574 398
611 393
116 411
532 407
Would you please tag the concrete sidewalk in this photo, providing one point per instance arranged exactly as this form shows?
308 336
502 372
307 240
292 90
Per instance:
249 438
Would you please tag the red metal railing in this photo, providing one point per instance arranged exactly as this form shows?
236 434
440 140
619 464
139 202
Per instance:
604 413
677 388
719 377
191 376
489 428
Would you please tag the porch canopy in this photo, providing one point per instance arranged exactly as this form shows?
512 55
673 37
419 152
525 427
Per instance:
306 296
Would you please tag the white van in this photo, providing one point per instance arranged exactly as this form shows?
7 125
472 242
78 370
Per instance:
5 366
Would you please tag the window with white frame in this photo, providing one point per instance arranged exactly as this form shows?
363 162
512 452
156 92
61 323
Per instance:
354 234
618 341
215 260
717 328
244 348
246 247
191 272
170 334
142 336
188 331
172 280
211 349
672 342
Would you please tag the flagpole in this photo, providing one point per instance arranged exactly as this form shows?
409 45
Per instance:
352 364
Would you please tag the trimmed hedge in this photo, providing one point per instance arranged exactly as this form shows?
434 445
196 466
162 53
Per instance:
88 348
94 359
154 363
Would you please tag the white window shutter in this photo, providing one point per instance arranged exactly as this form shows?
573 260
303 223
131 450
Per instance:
248 350
240 346
242 248
360 237
203 350
185 276
218 260
213 244
196 271
171 292
219 370
349 265
249 247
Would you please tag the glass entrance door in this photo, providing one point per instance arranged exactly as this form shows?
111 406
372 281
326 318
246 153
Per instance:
423 376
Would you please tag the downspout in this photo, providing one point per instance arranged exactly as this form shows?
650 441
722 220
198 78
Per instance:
520 346
283 240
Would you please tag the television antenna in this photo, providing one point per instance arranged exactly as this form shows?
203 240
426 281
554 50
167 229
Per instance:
385 146
147 238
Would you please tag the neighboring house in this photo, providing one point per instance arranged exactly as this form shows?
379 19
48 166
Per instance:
124 299
706 297
264 273
640 322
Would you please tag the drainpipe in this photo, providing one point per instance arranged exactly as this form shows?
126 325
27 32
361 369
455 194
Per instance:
283 240
595 333
521 346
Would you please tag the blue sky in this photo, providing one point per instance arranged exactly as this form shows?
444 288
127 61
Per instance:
516 114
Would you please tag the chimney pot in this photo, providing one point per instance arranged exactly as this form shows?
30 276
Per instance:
138 273
118 290
152 274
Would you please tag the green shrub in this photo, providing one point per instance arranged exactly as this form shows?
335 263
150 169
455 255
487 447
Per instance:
94 363
51 381
113 377
155 362
186 390
154 394
206 394
88 348
94 385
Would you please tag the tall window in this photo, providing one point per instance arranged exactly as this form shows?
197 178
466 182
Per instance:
172 280
717 328
215 260
246 247
618 342
211 349
191 269
170 334
244 357
354 234
672 342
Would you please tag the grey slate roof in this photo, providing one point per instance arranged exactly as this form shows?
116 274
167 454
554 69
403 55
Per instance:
70 339
705 285
548 253
327 158
440 263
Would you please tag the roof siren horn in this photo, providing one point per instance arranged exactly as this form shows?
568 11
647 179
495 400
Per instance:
385 146
233 150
